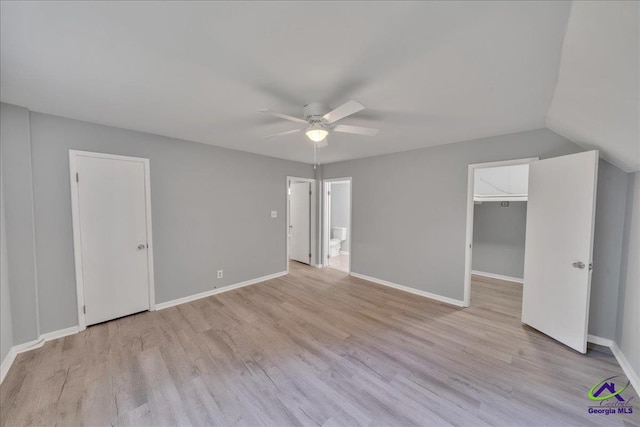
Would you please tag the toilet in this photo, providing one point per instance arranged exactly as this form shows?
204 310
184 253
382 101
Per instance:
338 235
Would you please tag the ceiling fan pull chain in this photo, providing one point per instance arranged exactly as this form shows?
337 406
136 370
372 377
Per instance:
315 149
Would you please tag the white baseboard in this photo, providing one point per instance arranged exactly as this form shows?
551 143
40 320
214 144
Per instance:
32 345
194 297
497 276
6 363
605 342
631 374
410 290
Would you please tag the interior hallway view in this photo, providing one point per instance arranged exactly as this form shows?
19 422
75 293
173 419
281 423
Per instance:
315 347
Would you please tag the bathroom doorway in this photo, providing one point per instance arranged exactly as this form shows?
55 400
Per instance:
337 224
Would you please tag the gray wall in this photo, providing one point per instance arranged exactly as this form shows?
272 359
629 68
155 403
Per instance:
15 156
498 238
628 330
340 209
409 214
607 249
211 210
6 327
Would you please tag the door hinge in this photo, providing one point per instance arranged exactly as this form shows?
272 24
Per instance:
328 193
309 255
84 309
590 266
310 193
77 177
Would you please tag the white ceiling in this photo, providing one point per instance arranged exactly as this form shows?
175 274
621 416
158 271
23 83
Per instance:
597 98
501 183
429 72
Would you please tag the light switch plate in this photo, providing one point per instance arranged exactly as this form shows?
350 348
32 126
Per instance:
274 214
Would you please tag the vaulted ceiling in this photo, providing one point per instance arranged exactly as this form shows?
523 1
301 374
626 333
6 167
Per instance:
429 73
596 102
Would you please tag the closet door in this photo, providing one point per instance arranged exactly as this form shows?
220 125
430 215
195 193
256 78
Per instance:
112 223
559 246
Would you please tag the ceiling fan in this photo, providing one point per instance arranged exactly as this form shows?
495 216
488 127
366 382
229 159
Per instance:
321 121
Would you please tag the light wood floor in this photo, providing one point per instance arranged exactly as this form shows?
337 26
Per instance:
316 347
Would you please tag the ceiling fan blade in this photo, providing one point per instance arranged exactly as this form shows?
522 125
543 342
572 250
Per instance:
283 116
286 132
359 130
343 111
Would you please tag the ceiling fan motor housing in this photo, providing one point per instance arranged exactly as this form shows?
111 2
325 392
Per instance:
314 111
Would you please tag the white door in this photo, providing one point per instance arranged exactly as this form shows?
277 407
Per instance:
559 245
300 222
113 234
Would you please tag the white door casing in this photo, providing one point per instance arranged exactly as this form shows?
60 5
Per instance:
112 236
300 222
559 247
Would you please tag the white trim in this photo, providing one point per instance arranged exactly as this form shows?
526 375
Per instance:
6 363
631 374
599 341
32 345
312 223
326 217
497 276
61 333
469 227
77 241
513 198
628 370
410 290
163 305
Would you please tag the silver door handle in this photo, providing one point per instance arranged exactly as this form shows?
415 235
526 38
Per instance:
578 264
141 246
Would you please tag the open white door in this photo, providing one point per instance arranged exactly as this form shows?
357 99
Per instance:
559 246
300 222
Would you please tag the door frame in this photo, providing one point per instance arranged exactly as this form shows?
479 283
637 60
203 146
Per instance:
326 215
468 257
312 219
77 240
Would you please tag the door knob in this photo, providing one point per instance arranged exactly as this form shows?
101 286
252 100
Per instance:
578 264
141 246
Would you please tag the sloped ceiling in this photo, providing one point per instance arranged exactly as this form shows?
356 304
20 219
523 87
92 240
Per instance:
597 98
429 72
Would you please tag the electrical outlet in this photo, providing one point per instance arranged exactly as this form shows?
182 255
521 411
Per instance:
220 273
274 214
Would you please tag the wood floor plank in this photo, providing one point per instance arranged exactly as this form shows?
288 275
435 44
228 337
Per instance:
313 348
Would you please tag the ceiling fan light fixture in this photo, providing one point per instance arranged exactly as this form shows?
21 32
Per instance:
316 133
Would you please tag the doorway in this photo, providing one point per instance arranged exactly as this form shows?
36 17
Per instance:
497 192
111 212
337 225
301 220
558 247
500 196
